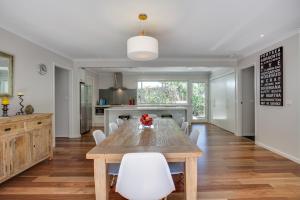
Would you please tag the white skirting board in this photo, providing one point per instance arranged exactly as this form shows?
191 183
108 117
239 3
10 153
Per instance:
290 157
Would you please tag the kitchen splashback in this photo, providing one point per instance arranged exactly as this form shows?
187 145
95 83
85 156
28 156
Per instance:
117 96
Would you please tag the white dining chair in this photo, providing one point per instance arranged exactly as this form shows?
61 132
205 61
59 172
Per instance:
144 176
153 115
119 122
112 127
113 169
99 136
185 127
181 120
194 136
178 167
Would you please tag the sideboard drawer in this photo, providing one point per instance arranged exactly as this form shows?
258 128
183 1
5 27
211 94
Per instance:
36 123
11 128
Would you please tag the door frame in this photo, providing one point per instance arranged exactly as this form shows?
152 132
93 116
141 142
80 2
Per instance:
71 101
239 122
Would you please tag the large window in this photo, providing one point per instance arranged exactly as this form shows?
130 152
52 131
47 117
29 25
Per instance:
162 92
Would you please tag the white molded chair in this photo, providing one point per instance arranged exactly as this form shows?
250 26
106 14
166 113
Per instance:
181 120
112 127
178 168
144 176
153 115
113 169
119 122
99 136
185 127
194 136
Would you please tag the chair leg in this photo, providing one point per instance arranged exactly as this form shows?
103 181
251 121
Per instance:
112 181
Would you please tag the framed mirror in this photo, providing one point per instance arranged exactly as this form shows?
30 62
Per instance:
6 74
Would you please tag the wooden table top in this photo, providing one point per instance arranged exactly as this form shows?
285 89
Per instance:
165 137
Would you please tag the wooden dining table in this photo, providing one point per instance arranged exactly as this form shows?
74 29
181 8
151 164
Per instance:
165 136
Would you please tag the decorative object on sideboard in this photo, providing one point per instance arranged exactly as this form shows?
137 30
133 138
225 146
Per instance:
5 103
20 95
43 69
6 74
29 109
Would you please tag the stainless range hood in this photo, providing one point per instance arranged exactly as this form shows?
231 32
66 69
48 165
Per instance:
118 81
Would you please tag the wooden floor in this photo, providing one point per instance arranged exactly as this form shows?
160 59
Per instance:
231 168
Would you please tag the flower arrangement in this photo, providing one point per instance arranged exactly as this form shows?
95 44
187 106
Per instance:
146 120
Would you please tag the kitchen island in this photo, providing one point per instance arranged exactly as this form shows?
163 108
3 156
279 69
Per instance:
111 114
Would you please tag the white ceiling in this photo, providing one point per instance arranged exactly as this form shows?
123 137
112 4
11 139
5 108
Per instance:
99 29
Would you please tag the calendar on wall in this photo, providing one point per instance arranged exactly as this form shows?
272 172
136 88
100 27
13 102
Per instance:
271 78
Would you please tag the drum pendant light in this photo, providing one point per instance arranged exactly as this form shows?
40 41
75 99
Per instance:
142 48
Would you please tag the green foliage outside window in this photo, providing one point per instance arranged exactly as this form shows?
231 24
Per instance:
198 100
162 92
173 92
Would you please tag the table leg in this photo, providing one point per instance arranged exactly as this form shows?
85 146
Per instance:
100 177
191 179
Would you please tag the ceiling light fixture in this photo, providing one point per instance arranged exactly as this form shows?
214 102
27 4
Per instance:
262 35
142 47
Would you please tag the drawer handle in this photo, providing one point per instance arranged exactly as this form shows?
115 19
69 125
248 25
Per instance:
39 123
7 129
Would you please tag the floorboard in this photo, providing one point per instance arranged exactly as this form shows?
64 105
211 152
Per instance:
231 168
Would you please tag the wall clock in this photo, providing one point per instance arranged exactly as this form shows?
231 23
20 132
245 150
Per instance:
43 69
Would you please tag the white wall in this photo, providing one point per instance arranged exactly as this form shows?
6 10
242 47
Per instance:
105 80
61 102
27 56
222 100
38 90
277 128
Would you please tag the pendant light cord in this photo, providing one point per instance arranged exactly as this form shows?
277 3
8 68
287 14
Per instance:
142 18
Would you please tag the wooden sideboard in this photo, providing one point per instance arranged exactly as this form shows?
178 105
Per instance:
25 140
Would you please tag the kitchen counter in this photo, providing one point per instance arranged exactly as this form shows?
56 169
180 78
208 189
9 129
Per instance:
147 108
177 112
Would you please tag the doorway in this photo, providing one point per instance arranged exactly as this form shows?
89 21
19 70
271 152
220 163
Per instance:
248 103
62 102
199 101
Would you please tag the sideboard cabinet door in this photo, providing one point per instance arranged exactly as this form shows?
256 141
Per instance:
19 150
41 143
3 165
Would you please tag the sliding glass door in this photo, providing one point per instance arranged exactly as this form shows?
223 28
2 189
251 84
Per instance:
199 101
